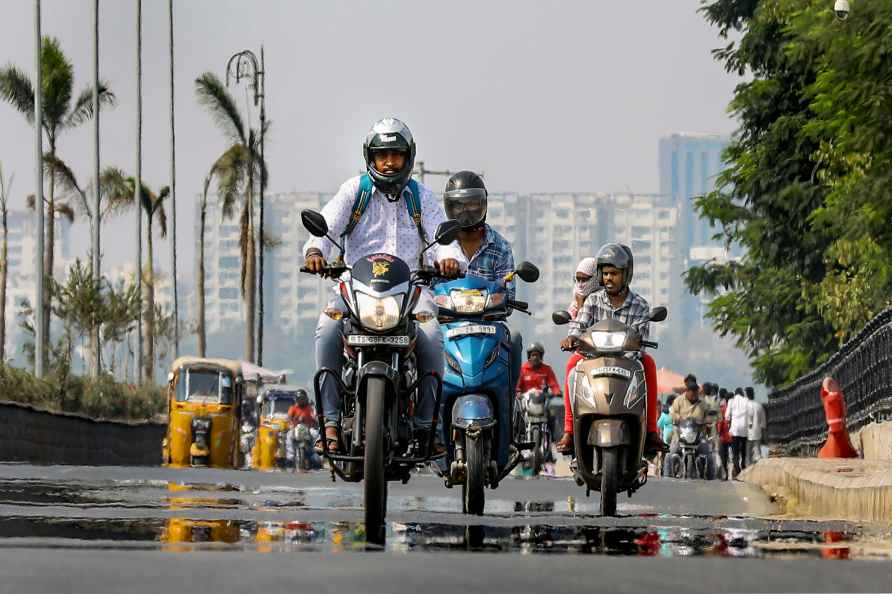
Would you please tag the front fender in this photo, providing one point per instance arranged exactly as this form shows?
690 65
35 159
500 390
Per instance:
608 433
473 409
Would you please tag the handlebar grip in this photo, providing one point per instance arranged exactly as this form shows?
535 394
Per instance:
521 305
650 344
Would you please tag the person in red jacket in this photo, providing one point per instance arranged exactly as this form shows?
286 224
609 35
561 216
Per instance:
724 429
535 374
301 411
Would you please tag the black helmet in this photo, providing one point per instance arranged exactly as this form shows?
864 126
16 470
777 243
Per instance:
303 399
618 256
536 346
389 134
465 199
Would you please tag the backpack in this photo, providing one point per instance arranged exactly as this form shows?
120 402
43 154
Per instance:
412 194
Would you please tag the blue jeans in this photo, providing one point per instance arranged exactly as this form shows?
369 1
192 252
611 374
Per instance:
330 354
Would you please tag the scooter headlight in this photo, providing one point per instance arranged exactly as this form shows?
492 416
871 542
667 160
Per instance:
378 313
468 301
609 341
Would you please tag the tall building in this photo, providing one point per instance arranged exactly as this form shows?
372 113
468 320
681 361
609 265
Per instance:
689 166
22 264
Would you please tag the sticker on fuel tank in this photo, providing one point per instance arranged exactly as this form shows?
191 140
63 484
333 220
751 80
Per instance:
617 371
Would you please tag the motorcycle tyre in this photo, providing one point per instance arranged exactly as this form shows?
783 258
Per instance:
609 480
537 460
472 494
374 482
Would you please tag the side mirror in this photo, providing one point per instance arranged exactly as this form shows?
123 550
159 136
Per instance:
527 272
447 232
314 222
658 314
561 317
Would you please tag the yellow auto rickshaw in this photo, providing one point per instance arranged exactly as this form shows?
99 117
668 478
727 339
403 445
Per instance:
270 446
204 409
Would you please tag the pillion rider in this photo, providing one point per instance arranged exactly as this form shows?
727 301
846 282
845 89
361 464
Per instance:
381 211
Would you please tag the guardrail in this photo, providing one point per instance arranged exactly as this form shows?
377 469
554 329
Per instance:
28 434
863 368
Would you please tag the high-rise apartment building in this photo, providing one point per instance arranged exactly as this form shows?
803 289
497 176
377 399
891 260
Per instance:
22 264
689 166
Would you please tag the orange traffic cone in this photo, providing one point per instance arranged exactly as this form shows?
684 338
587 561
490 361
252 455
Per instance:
838 444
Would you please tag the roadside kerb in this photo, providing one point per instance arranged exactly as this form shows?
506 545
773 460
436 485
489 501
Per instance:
28 434
849 489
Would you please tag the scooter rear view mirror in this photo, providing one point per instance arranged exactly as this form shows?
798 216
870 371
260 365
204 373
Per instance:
527 272
561 317
658 314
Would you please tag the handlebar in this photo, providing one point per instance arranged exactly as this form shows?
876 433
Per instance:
521 306
649 344
331 271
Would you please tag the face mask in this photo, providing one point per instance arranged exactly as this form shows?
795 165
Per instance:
583 288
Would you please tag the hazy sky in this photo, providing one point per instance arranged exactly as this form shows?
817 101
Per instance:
542 96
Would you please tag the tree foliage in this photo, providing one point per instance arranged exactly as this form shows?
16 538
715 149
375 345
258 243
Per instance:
806 189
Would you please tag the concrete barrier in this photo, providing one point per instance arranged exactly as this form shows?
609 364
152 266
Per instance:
875 441
32 435
849 489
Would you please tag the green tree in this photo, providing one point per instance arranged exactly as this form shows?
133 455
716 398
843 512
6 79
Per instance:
121 190
61 112
239 172
4 259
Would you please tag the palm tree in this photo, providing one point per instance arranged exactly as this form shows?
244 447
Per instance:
201 329
238 171
4 259
121 190
59 115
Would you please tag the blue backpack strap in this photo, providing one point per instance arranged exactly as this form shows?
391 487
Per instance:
412 195
413 205
363 195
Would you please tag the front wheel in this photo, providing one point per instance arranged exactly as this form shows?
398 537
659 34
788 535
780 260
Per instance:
374 486
609 480
299 458
473 497
538 453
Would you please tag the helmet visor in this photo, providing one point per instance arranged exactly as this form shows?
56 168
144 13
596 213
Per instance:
468 207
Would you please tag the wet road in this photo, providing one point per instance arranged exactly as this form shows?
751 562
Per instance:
155 529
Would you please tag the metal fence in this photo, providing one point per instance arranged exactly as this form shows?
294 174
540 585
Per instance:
863 368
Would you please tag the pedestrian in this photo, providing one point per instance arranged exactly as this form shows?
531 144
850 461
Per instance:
739 414
724 431
757 428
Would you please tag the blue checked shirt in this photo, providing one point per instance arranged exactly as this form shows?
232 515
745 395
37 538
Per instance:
634 312
492 261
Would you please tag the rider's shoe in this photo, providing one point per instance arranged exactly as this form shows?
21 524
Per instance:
653 444
424 439
565 445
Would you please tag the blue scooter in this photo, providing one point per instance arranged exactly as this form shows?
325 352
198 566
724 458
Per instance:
477 395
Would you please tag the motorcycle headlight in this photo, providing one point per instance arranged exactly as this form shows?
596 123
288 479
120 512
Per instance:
688 434
468 301
608 341
378 313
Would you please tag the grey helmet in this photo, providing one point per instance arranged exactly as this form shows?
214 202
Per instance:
465 199
392 135
618 256
536 346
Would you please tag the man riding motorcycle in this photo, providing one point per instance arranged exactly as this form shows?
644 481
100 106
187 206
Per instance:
382 224
691 406
480 250
535 374
615 300
300 413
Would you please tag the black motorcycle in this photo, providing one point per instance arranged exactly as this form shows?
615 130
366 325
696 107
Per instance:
380 385
689 462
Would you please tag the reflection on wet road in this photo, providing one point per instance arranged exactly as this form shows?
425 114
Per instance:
191 510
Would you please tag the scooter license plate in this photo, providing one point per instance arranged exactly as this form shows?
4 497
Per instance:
365 340
470 329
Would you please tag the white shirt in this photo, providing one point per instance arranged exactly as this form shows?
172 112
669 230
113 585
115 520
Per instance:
385 226
758 423
740 414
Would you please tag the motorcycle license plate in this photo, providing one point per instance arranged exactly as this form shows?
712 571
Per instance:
470 329
365 340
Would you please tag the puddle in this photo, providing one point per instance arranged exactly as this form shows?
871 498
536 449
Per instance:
182 534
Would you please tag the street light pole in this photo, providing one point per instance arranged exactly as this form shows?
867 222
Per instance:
245 64
39 277
96 364
173 198
137 186
420 171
